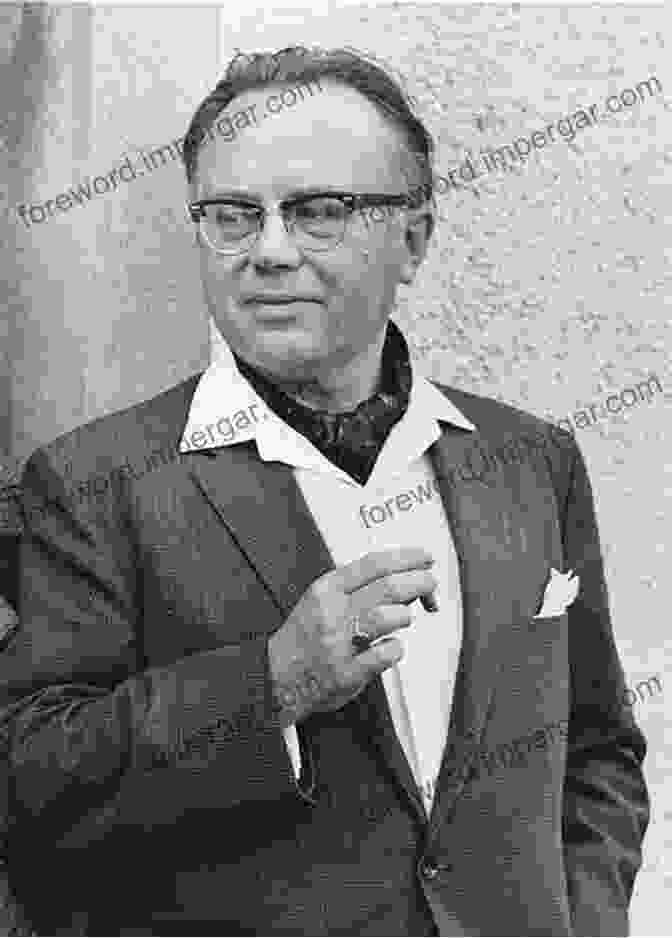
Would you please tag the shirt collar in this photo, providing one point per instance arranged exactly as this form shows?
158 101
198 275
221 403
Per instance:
225 410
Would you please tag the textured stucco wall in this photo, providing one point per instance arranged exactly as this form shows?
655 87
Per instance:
547 285
99 292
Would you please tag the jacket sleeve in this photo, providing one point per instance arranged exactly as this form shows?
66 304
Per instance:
605 801
13 917
13 920
95 738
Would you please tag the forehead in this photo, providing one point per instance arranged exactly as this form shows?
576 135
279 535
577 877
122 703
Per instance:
332 137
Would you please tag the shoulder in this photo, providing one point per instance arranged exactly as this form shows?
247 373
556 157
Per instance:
493 417
500 426
125 436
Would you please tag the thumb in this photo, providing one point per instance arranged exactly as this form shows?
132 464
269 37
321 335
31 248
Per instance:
383 655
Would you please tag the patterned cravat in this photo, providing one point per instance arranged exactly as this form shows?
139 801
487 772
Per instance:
351 440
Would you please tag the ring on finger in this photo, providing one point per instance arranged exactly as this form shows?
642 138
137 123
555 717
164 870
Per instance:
361 640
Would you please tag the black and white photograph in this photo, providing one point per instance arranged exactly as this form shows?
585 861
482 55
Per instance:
335 469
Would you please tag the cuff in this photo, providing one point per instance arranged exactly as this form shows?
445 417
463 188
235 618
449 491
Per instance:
292 742
302 763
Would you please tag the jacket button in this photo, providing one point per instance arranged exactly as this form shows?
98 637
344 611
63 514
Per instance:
429 869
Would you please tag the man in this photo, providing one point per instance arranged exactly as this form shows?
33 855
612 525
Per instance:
264 686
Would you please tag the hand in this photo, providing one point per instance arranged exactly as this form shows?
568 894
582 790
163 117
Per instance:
313 664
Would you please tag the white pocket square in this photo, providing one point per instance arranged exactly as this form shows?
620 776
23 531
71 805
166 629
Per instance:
560 592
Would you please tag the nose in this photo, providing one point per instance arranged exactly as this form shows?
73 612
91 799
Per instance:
275 247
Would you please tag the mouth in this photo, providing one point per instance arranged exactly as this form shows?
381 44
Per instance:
270 300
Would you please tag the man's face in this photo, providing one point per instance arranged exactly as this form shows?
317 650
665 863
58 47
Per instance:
332 139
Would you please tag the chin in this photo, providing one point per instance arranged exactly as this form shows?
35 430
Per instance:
289 355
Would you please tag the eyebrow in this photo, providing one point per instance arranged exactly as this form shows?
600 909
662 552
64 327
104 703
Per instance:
293 194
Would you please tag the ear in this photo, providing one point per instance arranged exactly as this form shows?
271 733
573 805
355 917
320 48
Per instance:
418 227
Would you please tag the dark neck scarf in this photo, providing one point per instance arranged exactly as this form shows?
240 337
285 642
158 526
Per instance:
354 439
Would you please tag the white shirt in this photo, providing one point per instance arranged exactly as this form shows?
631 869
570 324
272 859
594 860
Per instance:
400 505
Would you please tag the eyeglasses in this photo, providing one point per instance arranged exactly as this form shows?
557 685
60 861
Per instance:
317 222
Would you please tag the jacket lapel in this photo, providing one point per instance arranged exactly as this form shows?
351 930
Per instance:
263 508
489 537
376 721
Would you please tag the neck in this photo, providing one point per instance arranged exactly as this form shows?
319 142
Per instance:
340 389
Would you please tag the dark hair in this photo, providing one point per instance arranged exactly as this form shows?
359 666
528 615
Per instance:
300 64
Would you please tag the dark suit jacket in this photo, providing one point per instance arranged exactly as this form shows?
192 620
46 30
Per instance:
150 783
12 918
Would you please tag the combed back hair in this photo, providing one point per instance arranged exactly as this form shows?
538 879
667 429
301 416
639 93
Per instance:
302 65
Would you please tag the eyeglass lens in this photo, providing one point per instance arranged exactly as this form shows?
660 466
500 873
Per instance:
315 223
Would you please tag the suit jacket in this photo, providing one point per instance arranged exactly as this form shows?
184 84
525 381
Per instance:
12 917
150 786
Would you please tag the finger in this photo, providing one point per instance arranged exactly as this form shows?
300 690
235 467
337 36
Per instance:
382 620
376 564
368 664
430 601
396 588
